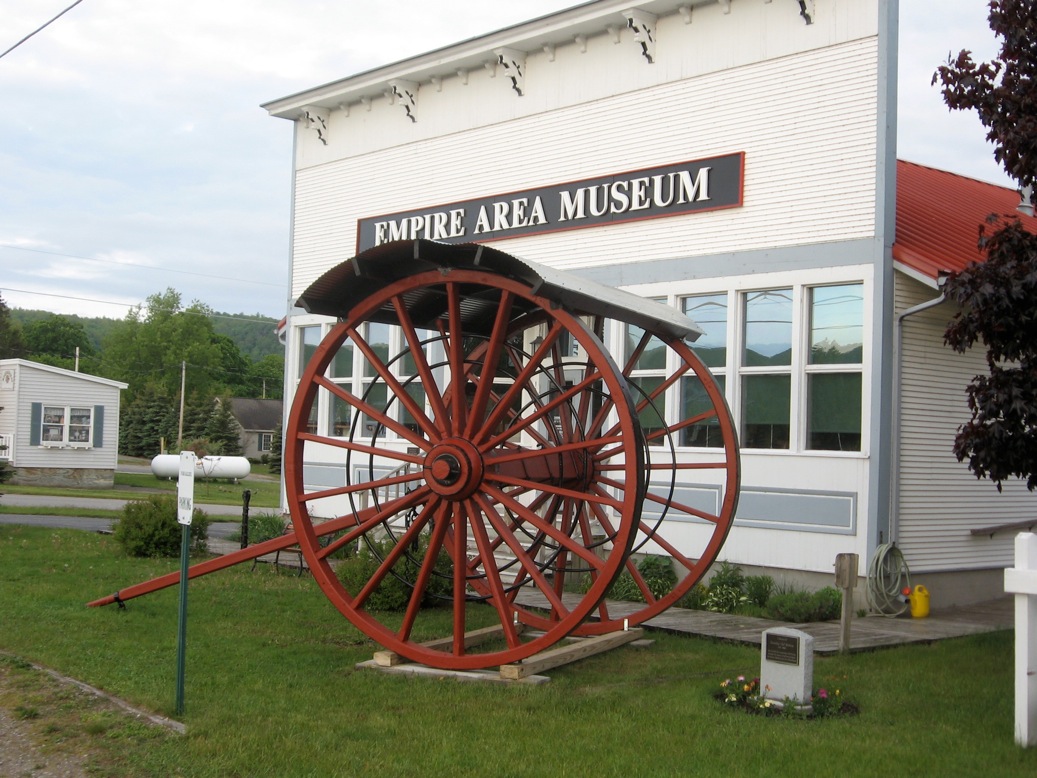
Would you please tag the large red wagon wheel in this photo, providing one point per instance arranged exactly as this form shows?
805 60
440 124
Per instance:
685 521
492 446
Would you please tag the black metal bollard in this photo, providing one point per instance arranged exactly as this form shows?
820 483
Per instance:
245 497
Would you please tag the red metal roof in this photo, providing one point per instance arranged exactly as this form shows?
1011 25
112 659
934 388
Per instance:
939 215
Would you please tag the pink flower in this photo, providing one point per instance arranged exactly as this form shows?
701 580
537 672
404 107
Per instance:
822 694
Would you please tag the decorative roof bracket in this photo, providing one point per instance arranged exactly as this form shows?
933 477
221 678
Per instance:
514 63
405 93
806 10
317 119
643 26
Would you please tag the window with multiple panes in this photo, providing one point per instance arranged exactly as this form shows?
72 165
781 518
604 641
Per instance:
835 370
766 368
709 312
66 425
798 366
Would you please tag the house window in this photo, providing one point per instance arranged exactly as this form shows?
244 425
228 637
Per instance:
63 425
835 367
766 369
266 440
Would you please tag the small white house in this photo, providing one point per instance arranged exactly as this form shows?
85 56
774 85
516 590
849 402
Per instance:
58 427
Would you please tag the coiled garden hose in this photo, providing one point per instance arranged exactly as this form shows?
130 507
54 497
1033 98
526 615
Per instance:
888 576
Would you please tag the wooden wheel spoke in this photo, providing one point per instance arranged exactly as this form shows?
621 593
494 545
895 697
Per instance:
494 349
361 448
339 491
522 454
421 365
563 397
391 508
521 381
493 579
527 563
394 386
371 411
604 499
459 553
384 568
549 529
670 504
455 357
428 564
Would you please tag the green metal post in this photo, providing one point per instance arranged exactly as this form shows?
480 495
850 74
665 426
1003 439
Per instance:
181 633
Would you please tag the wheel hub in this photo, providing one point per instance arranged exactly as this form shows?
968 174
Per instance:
454 469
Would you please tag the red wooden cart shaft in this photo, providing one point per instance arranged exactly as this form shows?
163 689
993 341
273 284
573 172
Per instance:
228 560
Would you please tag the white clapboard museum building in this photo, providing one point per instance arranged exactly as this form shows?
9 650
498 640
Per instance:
807 253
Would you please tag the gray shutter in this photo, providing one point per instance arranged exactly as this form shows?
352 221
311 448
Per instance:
35 422
98 426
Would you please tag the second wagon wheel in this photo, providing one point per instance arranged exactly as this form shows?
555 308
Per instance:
692 474
449 464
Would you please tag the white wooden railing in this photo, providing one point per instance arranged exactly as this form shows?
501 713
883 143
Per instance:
6 443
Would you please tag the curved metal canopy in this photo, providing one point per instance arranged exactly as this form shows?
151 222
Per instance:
343 286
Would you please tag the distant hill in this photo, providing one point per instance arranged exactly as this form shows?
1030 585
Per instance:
253 334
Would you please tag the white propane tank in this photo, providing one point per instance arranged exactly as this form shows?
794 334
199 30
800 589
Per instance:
168 466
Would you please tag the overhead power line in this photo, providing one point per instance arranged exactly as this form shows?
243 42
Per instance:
38 29
133 305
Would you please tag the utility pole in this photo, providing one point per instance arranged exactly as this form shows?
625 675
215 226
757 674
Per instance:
183 385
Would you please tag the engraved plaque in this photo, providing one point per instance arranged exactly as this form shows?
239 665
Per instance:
783 649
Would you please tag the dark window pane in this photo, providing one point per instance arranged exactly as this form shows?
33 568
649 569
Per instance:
837 324
694 402
339 416
377 337
653 415
654 355
768 328
709 312
375 395
342 364
834 422
765 411
310 338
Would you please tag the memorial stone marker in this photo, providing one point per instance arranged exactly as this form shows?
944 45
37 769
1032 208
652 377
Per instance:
787 665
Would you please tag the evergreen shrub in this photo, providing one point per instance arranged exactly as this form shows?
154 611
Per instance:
148 527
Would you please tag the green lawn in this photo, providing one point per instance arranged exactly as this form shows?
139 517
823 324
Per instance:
130 486
272 690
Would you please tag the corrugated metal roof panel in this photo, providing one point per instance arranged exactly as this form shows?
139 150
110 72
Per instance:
940 216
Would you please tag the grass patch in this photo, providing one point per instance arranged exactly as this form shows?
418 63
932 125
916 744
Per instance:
131 486
43 510
271 689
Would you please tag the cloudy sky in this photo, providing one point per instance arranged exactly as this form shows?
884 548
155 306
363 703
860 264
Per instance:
134 155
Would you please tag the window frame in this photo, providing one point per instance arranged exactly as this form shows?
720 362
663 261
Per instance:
51 422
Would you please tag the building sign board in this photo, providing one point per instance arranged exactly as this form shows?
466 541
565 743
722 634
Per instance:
687 187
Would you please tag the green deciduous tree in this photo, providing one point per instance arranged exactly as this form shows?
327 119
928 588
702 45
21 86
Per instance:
156 339
59 340
11 345
998 297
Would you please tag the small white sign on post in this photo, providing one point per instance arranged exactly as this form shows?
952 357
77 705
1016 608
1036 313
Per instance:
1021 581
185 488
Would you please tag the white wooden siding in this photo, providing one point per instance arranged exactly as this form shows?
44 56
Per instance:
807 124
52 388
940 499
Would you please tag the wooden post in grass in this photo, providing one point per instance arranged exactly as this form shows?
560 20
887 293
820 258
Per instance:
846 580
1021 580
